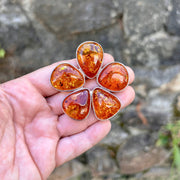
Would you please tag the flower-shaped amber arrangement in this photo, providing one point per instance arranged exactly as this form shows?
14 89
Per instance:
113 77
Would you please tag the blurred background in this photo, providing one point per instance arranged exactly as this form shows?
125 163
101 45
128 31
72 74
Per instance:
144 34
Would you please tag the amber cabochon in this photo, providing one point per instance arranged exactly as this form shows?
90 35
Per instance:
105 104
114 77
77 105
90 57
66 77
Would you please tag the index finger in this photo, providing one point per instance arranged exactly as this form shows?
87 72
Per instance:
41 78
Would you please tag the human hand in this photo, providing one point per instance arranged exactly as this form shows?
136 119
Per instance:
35 134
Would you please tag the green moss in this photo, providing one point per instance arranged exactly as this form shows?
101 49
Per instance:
169 137
2 53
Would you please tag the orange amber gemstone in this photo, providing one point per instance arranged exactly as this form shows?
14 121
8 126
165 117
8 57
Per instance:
77 104
105 104
90 55
114 77
66 77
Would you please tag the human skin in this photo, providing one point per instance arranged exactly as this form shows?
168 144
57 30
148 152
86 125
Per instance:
35 135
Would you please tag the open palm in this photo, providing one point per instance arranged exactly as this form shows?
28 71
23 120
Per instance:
35 134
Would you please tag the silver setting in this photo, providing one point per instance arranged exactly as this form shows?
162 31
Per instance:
93 103
103 69
91 91
72 89
73 93
78 61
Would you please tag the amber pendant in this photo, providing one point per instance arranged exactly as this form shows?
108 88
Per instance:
105 104
90 56
77 105
66 77
114 77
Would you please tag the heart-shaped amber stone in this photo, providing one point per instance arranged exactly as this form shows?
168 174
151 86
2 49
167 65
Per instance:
90 56
66 77
77 104
114 77
105 104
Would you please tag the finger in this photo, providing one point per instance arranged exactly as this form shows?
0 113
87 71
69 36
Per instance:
91 84
67 126
126 96
41 78
108 58
72 146
131 74
55 101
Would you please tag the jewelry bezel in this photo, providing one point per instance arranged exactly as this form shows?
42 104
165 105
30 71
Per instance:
104 68
72 89
73 93
94 108
101 62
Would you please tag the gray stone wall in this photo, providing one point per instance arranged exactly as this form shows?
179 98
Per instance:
144 34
